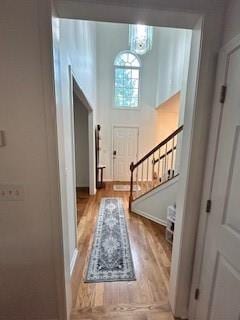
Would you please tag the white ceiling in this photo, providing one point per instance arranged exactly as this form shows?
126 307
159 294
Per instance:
199 6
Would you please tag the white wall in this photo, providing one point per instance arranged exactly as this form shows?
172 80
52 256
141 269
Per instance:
81 143
29 230
77 48
154 204
30 260
168 116
74 45
232 21
170 64
111 39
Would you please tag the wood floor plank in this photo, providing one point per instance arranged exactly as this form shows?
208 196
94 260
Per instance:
151 256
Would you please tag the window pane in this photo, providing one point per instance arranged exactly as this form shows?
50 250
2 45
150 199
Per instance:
119 101
135 83
124 57
127 59
119 91
127 102
126 83
134 103
135 73
135 93
127 75
119 73
135 63
131 59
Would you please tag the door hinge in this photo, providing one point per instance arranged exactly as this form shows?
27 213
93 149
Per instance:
223 94
209 206
197 293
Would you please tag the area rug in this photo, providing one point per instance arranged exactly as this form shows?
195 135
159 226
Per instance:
125 187
110 258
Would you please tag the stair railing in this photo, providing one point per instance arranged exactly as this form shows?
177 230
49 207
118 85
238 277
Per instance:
158 166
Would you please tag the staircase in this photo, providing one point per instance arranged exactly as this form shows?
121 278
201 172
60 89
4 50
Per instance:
156 168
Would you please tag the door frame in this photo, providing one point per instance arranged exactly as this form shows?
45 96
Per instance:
215 126
74 87
205 42
91 143
122 126
72 79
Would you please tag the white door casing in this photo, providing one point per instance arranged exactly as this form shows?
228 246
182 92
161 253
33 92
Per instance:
220 272
125 151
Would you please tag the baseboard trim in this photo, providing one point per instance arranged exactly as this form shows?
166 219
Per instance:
150 217
73 261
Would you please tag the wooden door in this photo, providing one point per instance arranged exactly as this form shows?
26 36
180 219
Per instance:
220 277
125 150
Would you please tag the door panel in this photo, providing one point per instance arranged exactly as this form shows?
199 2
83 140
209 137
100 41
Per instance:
125 143
220 277
232 216
225 301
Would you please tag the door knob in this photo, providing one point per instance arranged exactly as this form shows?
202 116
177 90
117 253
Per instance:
114 152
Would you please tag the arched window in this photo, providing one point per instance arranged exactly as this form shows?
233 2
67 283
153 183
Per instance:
127 68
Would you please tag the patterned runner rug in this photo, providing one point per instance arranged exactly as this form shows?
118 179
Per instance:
111 258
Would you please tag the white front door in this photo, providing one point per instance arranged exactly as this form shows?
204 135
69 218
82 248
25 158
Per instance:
125 151
220 278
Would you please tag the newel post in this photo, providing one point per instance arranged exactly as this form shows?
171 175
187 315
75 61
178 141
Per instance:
131 186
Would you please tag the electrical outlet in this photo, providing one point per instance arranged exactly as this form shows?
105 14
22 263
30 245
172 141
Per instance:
11 192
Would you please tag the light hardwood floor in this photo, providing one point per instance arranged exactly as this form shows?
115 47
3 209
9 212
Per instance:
143 299
82 201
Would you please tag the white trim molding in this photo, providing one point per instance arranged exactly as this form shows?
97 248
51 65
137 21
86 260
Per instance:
206 25
73 260
150 217
212 150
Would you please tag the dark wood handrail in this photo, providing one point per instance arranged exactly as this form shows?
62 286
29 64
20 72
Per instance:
167 170
164 155
162 143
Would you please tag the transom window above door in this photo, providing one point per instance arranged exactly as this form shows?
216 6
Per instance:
126 85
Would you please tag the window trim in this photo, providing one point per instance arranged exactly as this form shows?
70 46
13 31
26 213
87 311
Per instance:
139 81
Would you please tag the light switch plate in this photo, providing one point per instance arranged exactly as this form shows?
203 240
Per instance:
11 192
